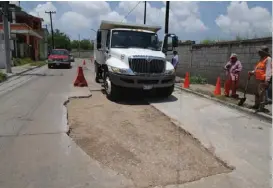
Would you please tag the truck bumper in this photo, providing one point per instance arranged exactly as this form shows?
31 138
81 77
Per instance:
140 82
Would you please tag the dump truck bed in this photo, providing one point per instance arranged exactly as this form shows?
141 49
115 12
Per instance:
107 25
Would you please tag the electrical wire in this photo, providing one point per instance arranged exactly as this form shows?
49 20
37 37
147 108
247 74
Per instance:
131 10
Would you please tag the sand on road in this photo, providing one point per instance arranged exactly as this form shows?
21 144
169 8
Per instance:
139 142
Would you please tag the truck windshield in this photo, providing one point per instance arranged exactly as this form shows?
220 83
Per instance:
134 39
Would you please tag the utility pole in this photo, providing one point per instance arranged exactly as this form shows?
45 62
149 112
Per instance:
52 31
6 35
79 44
167 17
145 3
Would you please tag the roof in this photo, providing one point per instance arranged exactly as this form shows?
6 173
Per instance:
23 13
112 25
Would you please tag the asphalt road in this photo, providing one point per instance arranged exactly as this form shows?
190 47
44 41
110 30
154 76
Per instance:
35 150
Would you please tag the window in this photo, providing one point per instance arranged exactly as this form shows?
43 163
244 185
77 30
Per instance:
59 52
134 39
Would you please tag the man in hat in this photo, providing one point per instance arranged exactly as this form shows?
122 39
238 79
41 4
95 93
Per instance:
263 74
233 69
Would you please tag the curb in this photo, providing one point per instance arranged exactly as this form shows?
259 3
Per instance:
19 73
248 111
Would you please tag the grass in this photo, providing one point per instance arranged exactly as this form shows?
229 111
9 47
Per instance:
3 76
21 61
198 80
38 63
27 61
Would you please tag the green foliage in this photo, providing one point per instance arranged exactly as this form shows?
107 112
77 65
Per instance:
21 61
38 63
85 44
198 80
3 76
208 41
61 40
74 44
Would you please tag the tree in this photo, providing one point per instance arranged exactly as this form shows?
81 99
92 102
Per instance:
86 44
61 40
74 44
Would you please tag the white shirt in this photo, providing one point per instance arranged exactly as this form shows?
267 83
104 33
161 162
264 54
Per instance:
268 70
175 60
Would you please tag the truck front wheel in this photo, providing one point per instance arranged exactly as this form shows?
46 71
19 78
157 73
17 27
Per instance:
98 72
165 92
111 90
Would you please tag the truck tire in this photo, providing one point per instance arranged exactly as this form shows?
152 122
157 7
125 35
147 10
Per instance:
165 92
111 90
97 73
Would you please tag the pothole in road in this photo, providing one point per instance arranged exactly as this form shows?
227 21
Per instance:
139 142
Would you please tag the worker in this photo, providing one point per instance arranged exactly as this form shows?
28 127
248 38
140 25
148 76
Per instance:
262 72
175 60
233 69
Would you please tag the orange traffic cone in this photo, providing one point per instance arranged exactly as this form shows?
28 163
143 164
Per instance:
217 90
80 80
83 62
187 81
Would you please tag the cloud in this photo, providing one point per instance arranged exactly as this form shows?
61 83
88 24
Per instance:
244 21
40 9
183 16
74 20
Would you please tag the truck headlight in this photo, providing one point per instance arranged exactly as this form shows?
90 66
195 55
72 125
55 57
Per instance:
170 72
120 71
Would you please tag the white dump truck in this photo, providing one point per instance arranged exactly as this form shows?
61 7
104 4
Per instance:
130 56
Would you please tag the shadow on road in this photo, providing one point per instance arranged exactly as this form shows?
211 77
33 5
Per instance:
136 97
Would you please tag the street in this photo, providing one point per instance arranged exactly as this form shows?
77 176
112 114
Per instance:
35 150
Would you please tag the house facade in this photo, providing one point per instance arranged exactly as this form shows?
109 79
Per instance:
27 35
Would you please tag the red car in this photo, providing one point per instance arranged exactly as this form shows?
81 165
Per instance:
59 57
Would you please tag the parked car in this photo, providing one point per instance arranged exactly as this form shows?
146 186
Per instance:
59 57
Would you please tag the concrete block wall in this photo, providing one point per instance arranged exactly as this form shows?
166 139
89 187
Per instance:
208 60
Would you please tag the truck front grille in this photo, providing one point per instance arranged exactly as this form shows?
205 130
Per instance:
142 65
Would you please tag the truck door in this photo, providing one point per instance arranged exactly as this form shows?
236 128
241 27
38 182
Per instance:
101 47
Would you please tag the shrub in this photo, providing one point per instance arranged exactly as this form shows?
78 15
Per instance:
198 80
3 76
21 61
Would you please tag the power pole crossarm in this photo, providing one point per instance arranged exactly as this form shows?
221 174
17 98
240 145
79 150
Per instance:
52 31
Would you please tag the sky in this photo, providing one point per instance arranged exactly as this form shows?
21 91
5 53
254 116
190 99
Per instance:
218 20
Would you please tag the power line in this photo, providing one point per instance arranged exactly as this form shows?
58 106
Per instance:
131 10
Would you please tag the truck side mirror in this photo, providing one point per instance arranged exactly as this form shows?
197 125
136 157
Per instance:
170 42
175 41
99 40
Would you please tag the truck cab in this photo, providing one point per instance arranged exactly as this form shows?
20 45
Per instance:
130 56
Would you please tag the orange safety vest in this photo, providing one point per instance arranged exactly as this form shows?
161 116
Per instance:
260 69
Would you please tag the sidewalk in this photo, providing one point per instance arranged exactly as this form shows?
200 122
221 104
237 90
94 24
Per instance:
19 70
207 91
